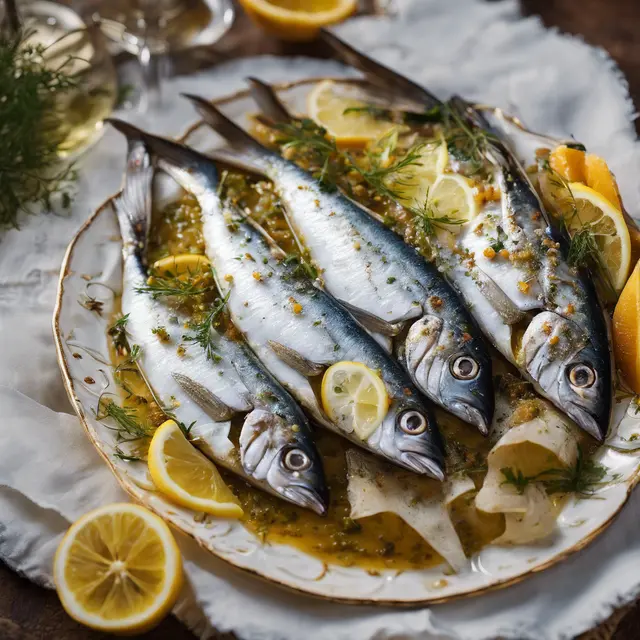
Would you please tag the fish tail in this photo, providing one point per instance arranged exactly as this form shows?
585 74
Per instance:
378 74
229 130
191 169
268 101
133 206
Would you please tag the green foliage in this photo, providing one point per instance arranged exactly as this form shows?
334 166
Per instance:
30 125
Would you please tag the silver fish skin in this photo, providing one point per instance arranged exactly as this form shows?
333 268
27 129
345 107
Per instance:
292 341
382 281
537 289
276 451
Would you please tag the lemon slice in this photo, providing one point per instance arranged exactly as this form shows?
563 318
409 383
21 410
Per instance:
608 227
626 331
297 20
452 196
118 569
415 181
186 476
354 397
181 263
326 107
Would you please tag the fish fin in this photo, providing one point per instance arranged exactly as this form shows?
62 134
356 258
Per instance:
204 398
371 322
133 206
498 299
236 136
378 74
296 361
267 99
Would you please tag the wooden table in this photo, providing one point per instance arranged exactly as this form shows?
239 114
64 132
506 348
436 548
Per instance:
28 612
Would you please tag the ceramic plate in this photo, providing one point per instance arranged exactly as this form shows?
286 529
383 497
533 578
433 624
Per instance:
90 281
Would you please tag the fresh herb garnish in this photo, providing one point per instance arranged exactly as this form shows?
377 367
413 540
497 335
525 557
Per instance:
515 478
173 285
128 425
202 330
429 219
306 137
464 140
581 478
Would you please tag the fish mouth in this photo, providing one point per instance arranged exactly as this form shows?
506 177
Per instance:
472 415
307 498
589 422
423 465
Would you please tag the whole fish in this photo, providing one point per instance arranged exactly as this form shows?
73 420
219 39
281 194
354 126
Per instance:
385 284
539 312
276 451
296 329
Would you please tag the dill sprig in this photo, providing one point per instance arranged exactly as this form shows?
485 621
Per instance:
172 285
583 248
377 176
306 137
429 219
32 130
581 478
127 424
516 479
202 330
464 140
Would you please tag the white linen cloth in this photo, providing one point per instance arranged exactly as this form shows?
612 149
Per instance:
49 472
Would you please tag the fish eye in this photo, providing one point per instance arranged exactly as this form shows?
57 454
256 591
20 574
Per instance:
412 422
297 460
582 376
465 368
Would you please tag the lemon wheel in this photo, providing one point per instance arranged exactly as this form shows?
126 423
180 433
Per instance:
354 397
414 182
607 225
184 263
327 106
186 476
297 20
118 569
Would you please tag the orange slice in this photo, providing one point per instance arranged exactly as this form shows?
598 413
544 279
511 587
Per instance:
626 331
297 20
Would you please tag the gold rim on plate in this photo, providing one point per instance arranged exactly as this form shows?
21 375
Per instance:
69 386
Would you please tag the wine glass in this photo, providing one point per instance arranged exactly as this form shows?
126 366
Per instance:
151 29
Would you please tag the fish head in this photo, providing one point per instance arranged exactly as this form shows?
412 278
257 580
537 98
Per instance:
409 436
451 368
291 467
564 362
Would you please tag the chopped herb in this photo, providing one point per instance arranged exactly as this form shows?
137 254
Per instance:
429 219
128 426
515 478
202 331
172 285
